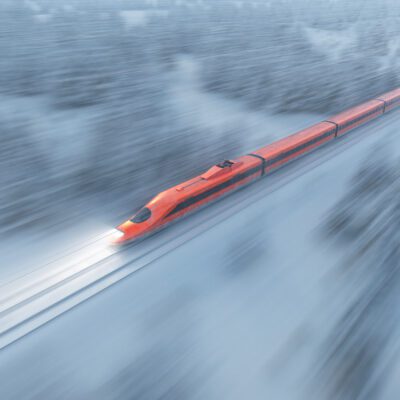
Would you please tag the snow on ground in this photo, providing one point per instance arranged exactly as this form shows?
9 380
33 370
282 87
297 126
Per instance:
392 57
43 18
332 43
212 111
248 318
61 133
33 5
135 18
66 133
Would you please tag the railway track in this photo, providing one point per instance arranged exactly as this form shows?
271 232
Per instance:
33 300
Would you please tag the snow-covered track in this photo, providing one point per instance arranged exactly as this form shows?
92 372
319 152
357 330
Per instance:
35 299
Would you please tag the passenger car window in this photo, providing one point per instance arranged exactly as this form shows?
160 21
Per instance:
143 215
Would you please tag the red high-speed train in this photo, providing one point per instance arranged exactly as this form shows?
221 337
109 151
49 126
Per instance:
229 175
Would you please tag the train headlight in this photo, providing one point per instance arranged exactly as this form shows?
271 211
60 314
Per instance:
116 234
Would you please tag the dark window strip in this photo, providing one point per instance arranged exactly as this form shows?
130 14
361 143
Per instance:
395 100
195 199
336 126
360 118
299 148
263 160
383 103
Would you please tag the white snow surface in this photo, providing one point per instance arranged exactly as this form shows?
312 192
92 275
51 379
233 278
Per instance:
248 318
65 135
62 133
213 112
332 43
136 18
392 57
43 18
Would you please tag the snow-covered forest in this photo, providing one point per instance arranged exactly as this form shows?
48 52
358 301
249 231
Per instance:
111 101
357 360
286 290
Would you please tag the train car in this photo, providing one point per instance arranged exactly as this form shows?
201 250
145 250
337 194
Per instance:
189 196
229 175
391 99
293 146
357 115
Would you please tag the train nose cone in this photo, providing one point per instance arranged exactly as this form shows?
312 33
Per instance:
117 236
128 232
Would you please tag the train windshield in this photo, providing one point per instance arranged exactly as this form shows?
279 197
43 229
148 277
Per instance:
143 215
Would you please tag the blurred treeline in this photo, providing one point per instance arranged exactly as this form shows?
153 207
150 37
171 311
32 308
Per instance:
271 57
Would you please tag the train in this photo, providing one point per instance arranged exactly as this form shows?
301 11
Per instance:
229 175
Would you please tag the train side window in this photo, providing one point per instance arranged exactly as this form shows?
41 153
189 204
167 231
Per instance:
142 215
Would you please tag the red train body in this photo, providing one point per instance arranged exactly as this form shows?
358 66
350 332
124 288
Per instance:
179 200
391 99
229 175
293 146
355 116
